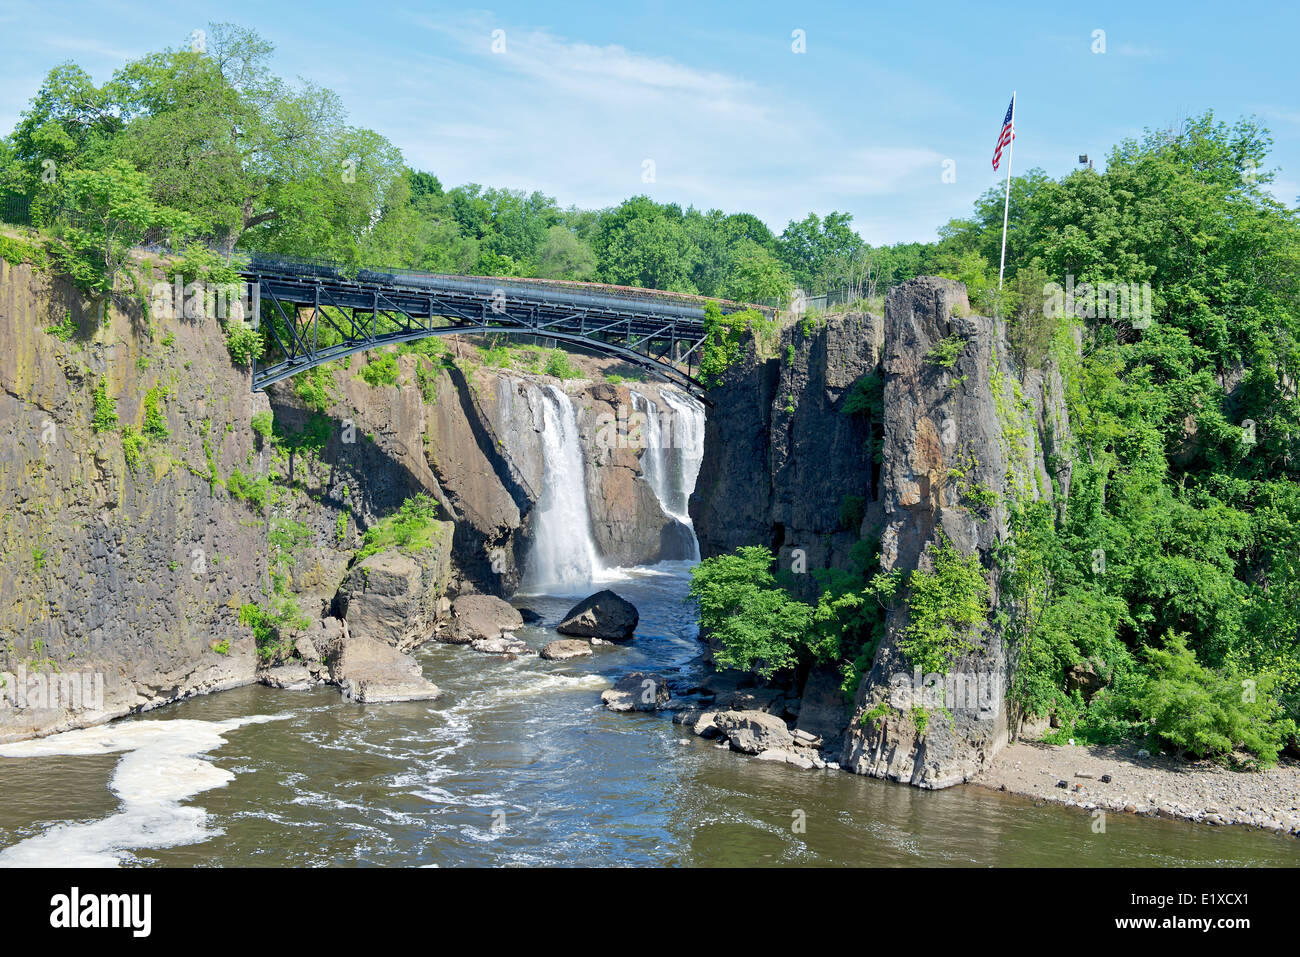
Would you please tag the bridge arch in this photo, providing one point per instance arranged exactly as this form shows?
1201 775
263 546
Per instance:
660 332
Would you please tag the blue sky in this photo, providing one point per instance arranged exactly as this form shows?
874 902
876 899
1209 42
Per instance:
732 118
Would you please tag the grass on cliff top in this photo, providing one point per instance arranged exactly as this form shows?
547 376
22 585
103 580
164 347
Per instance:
412 528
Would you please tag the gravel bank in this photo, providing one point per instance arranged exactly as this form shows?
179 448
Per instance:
1157 784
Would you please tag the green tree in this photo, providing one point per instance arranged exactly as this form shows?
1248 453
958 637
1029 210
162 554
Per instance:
111 211
564 256
758 624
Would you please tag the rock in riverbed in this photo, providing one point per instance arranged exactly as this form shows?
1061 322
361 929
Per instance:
637 691
786 757
288 677
501 645
370 672
566 648
480 618
602 615
754 731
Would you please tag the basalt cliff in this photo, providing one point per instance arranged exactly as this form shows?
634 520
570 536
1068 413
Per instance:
786 467
149 495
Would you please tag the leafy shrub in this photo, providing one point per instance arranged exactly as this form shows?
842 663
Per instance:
285 537
244 343
133 445
104 416
948 608
380 370
155 423
64 330
17 252
981 496
757 622
411 528
200 264
723 336
274 625
316 387
1209 712
945 352
256 492
763 628
560 366
263 424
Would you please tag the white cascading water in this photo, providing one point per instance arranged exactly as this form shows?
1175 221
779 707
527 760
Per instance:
563 552
671 461
654 460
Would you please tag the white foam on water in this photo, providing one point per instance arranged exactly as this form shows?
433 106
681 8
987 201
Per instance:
162 766
528 684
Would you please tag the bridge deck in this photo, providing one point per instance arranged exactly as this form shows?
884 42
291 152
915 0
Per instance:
661 332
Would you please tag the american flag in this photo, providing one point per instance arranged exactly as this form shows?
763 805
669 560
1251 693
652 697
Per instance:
1007 135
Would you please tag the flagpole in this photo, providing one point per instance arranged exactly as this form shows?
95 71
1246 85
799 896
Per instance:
1006 202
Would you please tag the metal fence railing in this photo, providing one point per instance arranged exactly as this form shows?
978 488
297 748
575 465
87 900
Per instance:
15 209
821 303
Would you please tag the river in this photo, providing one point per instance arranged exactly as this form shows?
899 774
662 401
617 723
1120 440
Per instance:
517 764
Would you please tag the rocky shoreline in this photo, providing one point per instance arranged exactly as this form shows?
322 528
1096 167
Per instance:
1120 778
1126 778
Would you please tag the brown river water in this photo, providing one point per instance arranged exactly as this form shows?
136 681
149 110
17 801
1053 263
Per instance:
518 764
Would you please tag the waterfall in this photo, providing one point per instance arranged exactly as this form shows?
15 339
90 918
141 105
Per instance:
673 453
687 448
654 466
563 551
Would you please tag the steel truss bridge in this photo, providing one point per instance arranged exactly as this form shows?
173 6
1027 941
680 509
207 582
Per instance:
308 304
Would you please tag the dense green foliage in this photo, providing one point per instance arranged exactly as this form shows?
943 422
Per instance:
948 606
104 408
274 624
380 370
762 627
1181 521
759 624
725 336
411 527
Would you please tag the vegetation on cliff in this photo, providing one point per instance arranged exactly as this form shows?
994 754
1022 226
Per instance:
1169 576
1161 599
761 627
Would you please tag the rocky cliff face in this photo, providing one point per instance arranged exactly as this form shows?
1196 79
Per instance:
784 465
130 558
130 571
957 441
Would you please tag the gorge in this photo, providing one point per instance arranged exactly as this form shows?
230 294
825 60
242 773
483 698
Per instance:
378 506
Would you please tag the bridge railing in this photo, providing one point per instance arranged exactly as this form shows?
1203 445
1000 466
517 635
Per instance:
586 295
17 209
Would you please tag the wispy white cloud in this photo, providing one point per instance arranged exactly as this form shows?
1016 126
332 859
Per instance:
70 43
578 120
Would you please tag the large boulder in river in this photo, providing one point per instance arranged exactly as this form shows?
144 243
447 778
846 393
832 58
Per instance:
754 731
637 691
392 596
565 648
481 618
371 672
602 615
